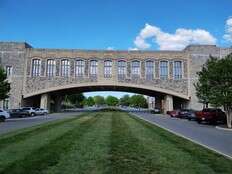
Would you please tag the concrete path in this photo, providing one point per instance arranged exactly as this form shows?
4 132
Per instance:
206 135
19 123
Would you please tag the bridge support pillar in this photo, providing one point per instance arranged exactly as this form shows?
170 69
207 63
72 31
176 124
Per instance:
57 101
168 103
45 101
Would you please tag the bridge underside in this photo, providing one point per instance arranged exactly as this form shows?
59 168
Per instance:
53 100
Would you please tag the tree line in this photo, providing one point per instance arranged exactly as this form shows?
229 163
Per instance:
79 100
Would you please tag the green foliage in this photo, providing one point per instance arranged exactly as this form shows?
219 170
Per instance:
99 100
125 100
214 85
76 99
138 101
203 86
4 85
111 101
89 101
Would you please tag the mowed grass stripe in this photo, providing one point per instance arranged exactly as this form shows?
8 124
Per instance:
16 137
128 155
176 153
89 153
18 150
49 154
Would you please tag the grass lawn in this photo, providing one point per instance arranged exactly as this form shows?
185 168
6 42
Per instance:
104 142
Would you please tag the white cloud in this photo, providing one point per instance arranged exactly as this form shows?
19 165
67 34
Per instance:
110 48
133 49
228 35
167 41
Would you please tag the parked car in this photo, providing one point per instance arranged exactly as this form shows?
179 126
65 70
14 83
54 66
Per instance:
30 110
211 115
3 115
41 111
174 113
187 113
191 115
18 113
155 111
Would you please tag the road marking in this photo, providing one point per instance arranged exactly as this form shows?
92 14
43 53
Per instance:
180 135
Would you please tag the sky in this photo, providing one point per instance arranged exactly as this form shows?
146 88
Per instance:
117 24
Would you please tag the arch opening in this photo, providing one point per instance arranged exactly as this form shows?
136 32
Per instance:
52 100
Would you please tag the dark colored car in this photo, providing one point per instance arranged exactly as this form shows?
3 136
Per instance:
14 113
211 115
174 113
187 113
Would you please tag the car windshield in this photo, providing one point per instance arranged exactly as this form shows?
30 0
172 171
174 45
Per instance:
26 109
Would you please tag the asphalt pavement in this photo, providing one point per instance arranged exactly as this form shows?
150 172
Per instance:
13 124
204 134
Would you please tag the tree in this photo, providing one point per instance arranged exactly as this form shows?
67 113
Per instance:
89 101
4 85
99 100
138 101
216 77
125 100
203 84
111 100
76 99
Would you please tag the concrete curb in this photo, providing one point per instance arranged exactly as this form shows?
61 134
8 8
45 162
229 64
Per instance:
221 128
182 136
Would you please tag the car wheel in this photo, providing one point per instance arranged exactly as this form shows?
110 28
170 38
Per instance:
214 122
32 114
2 118
189 119
199 121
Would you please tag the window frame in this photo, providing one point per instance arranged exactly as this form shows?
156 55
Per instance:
137 75
122 69
38 65
53 73
108 68
180 76
81 66
95 68
68 71
153 69
160 70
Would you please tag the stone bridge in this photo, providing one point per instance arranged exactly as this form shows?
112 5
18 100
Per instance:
41 77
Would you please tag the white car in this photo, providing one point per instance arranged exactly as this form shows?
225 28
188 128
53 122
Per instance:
30 110
41 111
3 115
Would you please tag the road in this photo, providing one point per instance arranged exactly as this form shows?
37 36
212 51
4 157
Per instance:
19 123
206 135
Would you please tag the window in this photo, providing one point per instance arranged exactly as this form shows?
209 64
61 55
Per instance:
107 68
80 68
65 68
163 70
9 71
177 70
135 68
149 69
36 64
121 69
51 67
93 68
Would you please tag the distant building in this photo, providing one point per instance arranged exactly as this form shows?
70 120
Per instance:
41 77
